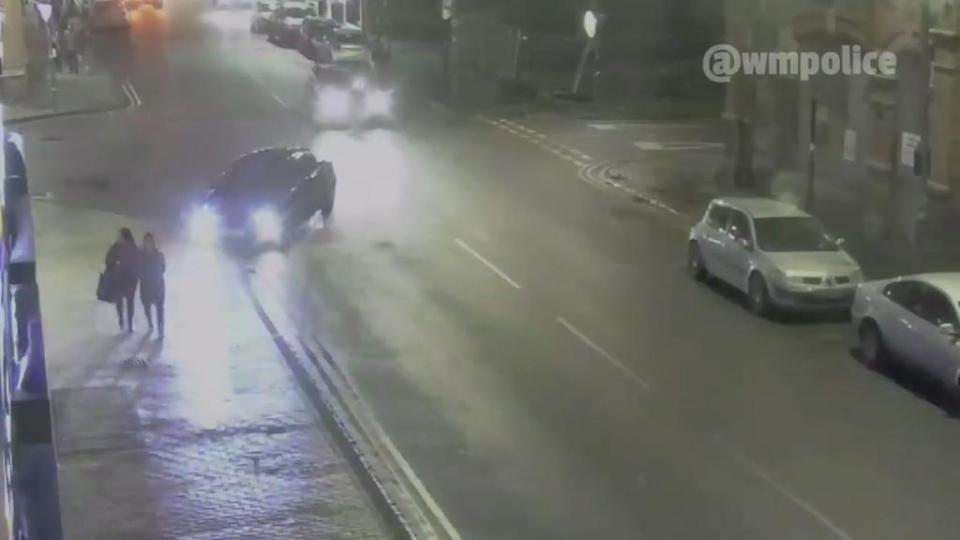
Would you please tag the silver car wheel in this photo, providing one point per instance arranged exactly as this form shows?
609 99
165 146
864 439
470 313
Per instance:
757 295
871 345
695 266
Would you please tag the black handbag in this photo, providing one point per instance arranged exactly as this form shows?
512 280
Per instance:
105 289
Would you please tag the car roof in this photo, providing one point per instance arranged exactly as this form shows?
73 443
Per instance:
760 207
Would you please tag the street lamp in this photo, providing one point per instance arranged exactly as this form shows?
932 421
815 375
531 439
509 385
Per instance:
590 24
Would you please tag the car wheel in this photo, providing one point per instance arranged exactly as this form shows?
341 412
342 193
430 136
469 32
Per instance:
695 266
329 197
872 350
758 296
327 209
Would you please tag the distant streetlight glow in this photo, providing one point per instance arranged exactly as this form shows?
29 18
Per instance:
590 24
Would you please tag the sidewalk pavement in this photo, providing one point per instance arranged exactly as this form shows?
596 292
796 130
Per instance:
42 92
201 436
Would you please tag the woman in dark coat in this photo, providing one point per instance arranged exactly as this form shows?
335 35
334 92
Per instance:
152 267
123 261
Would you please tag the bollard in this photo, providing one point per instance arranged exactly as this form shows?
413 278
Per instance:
31 487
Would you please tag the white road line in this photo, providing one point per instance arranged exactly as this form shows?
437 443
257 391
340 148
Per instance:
603 127
133 94
277 99
603 353
675 147
493 268
758 471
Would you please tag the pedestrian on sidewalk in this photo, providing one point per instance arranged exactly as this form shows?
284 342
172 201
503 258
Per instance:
123 267
69 45
152 288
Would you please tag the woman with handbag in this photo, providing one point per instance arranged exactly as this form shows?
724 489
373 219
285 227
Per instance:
123 271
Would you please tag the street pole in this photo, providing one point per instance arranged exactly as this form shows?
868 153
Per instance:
811 158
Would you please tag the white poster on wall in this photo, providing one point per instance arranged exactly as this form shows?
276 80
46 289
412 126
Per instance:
909 142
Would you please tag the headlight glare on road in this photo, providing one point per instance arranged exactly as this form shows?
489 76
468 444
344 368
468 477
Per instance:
379 103
333 103
267 225
204 224
359 83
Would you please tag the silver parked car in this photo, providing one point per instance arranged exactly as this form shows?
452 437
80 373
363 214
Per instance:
776 253
914 319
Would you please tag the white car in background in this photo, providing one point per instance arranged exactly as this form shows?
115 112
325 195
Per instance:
913 319
776 253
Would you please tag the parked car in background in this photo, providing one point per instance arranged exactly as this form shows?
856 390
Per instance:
914 320
108 15
261 16
776 253
350 43
317 38
283 25
234 4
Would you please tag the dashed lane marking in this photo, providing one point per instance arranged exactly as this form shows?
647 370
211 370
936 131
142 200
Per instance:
133 98
629 373
277 99
753 468
676 146
483 260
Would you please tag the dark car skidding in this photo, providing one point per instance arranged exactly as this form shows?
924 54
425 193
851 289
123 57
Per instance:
267 197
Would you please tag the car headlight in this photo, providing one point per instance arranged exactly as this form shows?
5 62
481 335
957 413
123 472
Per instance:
333 103
359 83
379 102
204 223
267 224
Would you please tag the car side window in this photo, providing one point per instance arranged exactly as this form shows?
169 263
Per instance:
717 217
902 293
935 308
739 225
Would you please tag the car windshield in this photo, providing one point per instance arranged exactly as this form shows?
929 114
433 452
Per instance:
295 12
780 234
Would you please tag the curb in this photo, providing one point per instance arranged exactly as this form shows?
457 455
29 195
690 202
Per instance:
56 114
406 516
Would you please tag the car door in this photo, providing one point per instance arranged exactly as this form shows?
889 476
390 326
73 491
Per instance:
738 248
898 319
712 234
936 351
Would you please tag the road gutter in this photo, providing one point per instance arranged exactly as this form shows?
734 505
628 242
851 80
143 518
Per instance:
406 507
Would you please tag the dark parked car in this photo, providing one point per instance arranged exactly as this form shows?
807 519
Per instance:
317 38
267 197
283 26
261 16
